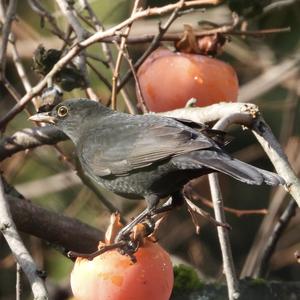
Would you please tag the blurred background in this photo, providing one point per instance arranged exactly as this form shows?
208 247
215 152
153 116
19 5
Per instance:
268 70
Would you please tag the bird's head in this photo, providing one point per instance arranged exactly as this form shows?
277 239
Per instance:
71 116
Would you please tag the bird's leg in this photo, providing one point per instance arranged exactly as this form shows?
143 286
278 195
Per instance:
127 229
152 201
174 201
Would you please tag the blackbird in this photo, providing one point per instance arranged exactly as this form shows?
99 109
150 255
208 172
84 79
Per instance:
145 156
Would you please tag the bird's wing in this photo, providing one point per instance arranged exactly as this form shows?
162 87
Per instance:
122 149
219 136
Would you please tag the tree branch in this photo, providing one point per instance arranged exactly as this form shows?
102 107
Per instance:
96 37
10 233
53 227
30 138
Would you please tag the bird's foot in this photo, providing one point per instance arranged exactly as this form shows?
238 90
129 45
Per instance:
124 247
73 255
126 244
138 232
131 228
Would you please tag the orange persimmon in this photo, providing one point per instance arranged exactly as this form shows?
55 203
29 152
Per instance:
114 276
169 79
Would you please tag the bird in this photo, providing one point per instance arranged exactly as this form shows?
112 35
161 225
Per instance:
146 156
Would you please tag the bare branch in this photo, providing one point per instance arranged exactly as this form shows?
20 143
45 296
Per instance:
18 282
119 59
217 199
10 233
155 41
30 138
40 10
228 265
96 37
53 227
108 54
7 18
254 257
271 243
174 37
266 138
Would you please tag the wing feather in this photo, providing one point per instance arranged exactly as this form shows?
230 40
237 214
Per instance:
135 147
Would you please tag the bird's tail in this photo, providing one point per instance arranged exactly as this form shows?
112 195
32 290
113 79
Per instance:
222 162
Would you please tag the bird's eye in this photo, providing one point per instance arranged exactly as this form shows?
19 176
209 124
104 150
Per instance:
62 111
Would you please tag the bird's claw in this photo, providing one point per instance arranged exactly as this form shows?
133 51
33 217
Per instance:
125 247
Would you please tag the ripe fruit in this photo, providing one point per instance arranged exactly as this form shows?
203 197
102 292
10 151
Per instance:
113 276
169 79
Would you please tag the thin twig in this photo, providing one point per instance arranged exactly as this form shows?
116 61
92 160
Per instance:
238 212
266 138
254 257
18 282
18 64
196 211
37 7
119 58
10 233
30 138
11 89
174 37
217 199
107 52
155 41
271 243
7 18
20 68
228 265
139 95
101 77
68 10
96 37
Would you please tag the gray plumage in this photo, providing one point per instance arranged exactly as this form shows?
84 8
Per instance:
147 156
